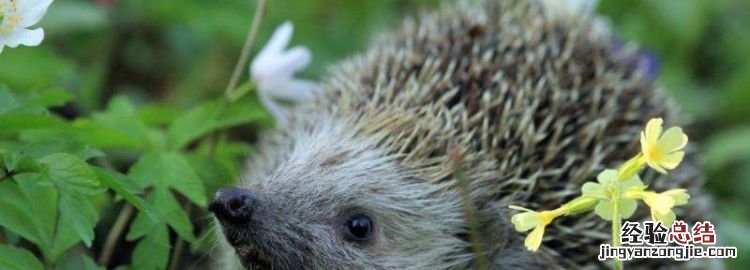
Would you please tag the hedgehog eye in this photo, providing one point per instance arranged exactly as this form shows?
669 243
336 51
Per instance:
358 228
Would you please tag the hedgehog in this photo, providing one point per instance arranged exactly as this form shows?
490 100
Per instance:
521 104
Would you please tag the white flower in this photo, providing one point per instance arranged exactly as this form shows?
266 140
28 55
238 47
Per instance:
16 16
273 71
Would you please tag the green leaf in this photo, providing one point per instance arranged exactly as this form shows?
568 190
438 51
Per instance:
29 209
16 121
47 146
209 117
76 261
65 238
8 101
49 98
123 186
117 127
77 210
89 264
70 171
158 114
13 258
152 253
101 134
169 170
143 225
170 210
194 124
214 173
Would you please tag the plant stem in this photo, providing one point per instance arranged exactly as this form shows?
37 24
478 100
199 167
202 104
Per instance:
244 55
114 234
616 224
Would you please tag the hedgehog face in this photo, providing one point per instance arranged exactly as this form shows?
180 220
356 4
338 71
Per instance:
333 201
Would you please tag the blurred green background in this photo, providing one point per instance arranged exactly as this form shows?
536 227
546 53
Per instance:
178 53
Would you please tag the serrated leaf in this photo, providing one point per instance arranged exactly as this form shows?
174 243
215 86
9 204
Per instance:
15 217
214 173
209 117
172 213
168 211
169 171
70 171
77 210
103 135
29 209
152 252
41 148
193 124
65 238
142 225
123 186
117 127
13 258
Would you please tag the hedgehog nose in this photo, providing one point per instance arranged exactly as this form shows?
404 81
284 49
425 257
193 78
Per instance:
234 205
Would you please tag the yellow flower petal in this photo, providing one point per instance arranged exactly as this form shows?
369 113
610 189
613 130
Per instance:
654 165
679 196
667 218
662 151
525 221
534 239
672 140
653 130
661 204
671 161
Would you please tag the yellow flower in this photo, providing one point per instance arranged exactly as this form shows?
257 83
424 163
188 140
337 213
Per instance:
662 151
536 220
661 204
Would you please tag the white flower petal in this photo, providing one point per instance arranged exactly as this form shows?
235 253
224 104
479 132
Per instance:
266 63
294 59
24 37
31 11
296 90
280 38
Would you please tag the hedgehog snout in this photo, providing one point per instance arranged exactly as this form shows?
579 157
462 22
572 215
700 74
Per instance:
234 205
